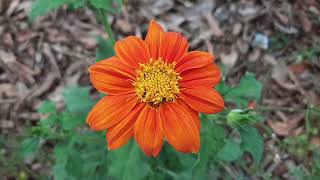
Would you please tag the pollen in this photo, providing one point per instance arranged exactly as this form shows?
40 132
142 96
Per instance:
157 82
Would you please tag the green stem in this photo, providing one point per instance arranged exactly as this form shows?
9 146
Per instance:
307 120
107 26
168 172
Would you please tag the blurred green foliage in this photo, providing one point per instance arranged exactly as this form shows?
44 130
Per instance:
43 7
80 153
279 41
249 89
310 173
309 54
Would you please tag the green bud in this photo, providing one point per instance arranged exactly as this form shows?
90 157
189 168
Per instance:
239 117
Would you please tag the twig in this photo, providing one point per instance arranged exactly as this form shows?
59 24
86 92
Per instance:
289 109
6 101
229 170
55 68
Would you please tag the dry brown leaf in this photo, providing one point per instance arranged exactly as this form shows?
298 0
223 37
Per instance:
49 54
236 29
8 90
315 141
314 10
213 24
155 7
42 88
288 127
255 55
305 22
23 71
89 42
25 35
7 57
280 75
229 59
242 46
249 11
6 124
298 68
282 18
124 25
55 36
12 7
7 39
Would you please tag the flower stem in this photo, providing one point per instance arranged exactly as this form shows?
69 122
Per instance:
168 172
107 26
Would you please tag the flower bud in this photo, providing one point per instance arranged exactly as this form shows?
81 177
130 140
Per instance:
239 117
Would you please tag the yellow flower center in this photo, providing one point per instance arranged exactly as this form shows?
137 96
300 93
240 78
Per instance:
157 82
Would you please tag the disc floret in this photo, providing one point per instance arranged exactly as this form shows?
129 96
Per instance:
157 82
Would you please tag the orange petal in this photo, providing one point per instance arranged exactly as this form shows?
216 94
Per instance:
173 47
110 110
153 39
194 113
206 100
194 59
110 76
122 132
132 51
179 127
148 131
207 76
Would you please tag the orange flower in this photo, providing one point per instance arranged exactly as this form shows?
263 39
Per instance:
156 89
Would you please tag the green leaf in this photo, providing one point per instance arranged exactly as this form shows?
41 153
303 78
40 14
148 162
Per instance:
112 6
47 107
187 162
105 49
78 99
230 152
43 7
77 4
81 156
248 89
29 146
61 153
49 122
102 4
59 172
61 159
69 121
212 139
223 88
127 163
119 5
252 142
